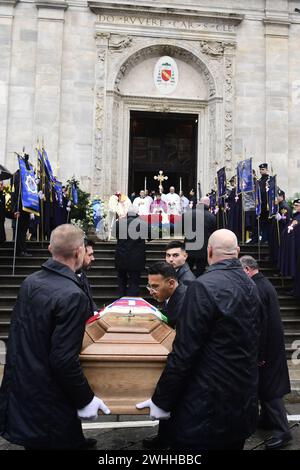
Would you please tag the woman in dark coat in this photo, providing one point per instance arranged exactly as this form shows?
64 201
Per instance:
44 387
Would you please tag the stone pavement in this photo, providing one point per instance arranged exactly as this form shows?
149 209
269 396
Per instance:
130 438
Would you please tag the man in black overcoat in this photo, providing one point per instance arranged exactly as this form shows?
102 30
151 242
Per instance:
209 384
2 214
164 288
44 391
130 256
198 257
274 380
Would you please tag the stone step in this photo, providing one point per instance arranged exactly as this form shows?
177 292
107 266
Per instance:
105 264
291 323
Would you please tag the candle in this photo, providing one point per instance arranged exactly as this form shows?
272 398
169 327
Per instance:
145 184
180 184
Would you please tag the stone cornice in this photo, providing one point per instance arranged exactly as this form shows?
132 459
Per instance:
99 6
9 2
52 4
275 17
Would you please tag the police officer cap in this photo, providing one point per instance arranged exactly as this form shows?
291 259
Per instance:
263 165
296 201
280 192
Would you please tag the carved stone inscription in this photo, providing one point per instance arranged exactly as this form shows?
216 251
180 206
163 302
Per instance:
177 23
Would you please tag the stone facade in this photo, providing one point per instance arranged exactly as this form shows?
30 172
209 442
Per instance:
71 72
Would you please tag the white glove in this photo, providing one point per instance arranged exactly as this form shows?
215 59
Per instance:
278 216
290 228
41 195
68 209
69 203
155 412
91 410
32 216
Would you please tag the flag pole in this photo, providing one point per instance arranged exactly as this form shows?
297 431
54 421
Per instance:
17 224
258 236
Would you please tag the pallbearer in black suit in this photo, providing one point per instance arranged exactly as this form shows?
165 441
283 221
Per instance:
274 380
177 257
164 287
264 216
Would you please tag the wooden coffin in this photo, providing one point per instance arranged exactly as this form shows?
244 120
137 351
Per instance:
123 357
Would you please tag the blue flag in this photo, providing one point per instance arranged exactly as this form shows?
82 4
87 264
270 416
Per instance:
74 193
57 185
257 200
29 189
212 200
96 205
221 182
272 196
46 164
244 176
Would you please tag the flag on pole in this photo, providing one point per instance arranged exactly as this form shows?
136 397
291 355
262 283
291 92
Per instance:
29 190
244 176
257 199
74 194
46 164
221 174
272 196
57 185
96 206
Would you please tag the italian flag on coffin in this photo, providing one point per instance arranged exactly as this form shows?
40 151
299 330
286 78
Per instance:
133 305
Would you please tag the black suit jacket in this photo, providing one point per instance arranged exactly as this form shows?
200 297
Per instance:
185 275
173 307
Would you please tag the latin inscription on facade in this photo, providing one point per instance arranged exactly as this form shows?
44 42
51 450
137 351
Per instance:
178 23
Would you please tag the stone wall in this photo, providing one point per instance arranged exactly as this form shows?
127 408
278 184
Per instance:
55 67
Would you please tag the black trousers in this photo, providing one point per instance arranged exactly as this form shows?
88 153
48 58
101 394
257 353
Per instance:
129 283
23 224
273 414
2 231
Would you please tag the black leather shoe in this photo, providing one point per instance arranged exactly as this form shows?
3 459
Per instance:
277 443
155 443
89 443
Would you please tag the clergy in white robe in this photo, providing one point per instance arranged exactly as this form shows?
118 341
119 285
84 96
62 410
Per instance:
174 202
141 204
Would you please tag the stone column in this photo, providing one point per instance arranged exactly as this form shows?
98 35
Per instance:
48 75
100 163
6 22
277 91
229 95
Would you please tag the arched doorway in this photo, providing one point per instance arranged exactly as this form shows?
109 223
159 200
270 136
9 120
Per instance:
162 141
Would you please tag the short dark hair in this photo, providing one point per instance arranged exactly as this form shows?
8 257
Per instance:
249 261
88 242
175 244
166 270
